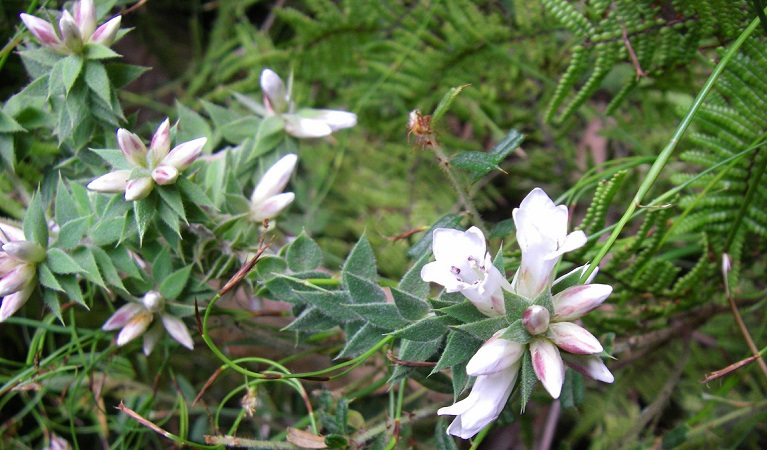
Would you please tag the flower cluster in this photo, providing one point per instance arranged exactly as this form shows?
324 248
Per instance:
135 318
306 122
158 164
462 265
18 269
75 29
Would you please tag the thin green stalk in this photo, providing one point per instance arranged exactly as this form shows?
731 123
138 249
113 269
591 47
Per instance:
444 163
668 150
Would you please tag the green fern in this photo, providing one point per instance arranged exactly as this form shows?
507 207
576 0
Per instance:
660 35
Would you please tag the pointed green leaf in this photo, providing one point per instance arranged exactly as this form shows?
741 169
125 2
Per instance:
362 290
460 348
446 101
363 339
572 390
143 211
361 261
171 197
527 378
484 329
121 74
517 333
72 289
410 306
87 261
65 206
47 278
515 305
106 267
8 124
303 254
460 379
192 126
192 193
98 51
97 79
382 315
424 330
51 300
60 262
312 320
71 66
414 351
35 226
114 157
161 266
332 303
502 229
464 311
170 227
511 142
412 283
171 287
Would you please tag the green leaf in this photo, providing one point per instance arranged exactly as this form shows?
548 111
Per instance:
572 390
424 330
193 193
161 265
515 305
114 157
192 126
51 300
545 300
382 315
361 261
464 311
502 229
71 66
362 290
342 413
47 278
41 56
569 280
72 289
144 210
98 51
8 124
123 261
410 306
97 79
62 263
414 351
171 197
479 162
484 329
527 378
121 74
517 333
460 348
35 226
511 142
460 379
170 219
65 206
312 320
362 340
412 283
303 254
332 303
87 261
270 266
106 267
171 287
446 101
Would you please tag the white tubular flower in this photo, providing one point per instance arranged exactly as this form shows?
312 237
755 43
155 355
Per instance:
496 366
164 164
136 318
268 200
463 265
306 122
75 29
18 269
542 236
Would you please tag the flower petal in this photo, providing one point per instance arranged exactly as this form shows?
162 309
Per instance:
274 179
184 154
151 338
272 207
111 183
85 17
9 233
138 188
440 272
574 339
121 317
306 128
336 120
17 279
106 33
41 29
135 327
160 145
495 355
590 365
275 96
133 149
12 302
450 244
164 174
548 366
577 301
178 330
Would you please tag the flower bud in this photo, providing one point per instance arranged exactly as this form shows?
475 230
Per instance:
138 188
163 174
133 149
42 30
536 319
111 183
106 33
160 145
16 279
70 33
25 251
183 155
85 18
275 96
153 301
275 179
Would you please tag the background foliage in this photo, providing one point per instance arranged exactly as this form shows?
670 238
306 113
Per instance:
598 89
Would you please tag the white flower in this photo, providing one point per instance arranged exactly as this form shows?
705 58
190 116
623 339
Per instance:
268 200
463 265
75 31
18 269
306 122
496 366
163 164
135 318
542 236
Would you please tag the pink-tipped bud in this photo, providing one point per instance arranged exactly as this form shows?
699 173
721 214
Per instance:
16 279
70 33
163 174
133 149
274 180
160 145
536 319
111 183
106 33
275 95
138 188
153 302
85 18
135 327
9 233
183 155
42 30
574 339
271 207
25 251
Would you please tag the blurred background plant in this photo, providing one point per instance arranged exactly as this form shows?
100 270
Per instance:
601 90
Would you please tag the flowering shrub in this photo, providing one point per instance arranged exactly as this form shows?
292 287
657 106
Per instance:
303 277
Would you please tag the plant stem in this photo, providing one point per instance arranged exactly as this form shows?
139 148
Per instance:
444 163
